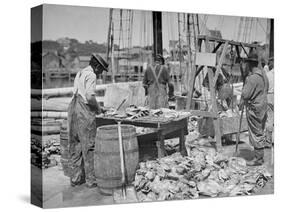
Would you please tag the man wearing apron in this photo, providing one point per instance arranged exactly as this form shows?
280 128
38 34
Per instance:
254 96
82 122
156 79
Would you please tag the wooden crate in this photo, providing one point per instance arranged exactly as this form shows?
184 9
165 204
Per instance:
181 103
228 125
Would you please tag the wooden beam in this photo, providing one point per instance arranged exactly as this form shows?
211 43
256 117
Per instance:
157 33
238 51
108 34
271 40
243 47
217 47
218 69
215 109
213 100
191 81
214 39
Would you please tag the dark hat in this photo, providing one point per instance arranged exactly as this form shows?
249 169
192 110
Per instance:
252 57
160 58
101 61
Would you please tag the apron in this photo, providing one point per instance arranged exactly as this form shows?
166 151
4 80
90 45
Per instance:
82 132
157 94
256 119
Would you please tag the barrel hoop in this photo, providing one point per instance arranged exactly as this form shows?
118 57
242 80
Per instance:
107 178
117 153
115 187
110 188
128 137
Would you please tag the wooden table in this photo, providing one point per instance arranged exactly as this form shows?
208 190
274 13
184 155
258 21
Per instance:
163 128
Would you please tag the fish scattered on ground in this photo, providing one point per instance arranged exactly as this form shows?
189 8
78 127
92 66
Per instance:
204 172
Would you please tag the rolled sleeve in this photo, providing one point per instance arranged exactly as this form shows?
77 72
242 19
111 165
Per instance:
90 84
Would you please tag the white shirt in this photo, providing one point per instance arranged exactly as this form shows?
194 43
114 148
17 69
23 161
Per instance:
85 83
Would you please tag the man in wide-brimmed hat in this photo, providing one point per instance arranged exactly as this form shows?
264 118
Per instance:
156 80
254 96
82 122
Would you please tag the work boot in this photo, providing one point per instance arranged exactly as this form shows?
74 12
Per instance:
258 159
73 184
267 144
91 184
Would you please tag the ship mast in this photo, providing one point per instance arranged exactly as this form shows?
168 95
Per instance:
157 33
271 38
110 45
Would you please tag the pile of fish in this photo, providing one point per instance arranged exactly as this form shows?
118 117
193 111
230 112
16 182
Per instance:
135 112
203 173
131 112
36 153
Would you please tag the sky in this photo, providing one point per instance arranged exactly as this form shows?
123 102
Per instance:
91 23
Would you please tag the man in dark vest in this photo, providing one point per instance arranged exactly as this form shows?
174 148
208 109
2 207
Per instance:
254 97
82 122
155 81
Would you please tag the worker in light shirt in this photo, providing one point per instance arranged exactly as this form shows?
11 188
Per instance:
82 122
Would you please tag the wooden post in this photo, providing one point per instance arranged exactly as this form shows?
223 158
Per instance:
214 108
190 89
271 38
182 143
109 34
180 54
112 56
160 144
157 33
213 101
218 69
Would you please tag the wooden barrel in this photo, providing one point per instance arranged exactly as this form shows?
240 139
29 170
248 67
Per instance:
64 149
107 157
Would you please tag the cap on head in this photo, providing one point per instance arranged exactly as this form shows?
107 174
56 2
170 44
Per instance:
160 58
252 57
95 58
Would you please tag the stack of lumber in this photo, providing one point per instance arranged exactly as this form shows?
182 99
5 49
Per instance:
110 95
45 126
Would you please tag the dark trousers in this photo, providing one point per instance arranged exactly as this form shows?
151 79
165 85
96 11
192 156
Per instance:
256 127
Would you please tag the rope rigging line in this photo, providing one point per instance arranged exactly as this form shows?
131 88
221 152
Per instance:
240 28
261 26
250 31
256 29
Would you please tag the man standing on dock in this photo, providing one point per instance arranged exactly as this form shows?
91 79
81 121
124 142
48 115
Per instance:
82 122
155 82
254 97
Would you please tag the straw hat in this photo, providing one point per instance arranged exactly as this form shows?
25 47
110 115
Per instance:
101 61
